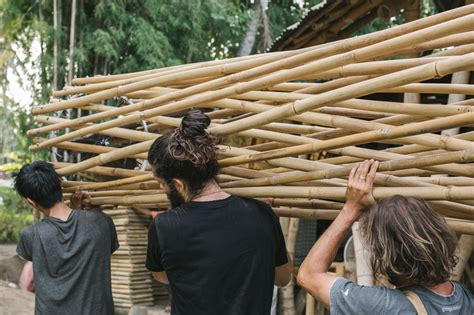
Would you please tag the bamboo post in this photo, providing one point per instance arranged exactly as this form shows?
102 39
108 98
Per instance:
464 250
457 78
286 299
310 304
364 271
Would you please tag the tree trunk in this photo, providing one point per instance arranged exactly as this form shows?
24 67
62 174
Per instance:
249 39
267 37
70 73
55 44
56 25
72 39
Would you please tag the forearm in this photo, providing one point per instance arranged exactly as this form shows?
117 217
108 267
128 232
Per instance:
161 276
313 275
324 251
27 278
283 273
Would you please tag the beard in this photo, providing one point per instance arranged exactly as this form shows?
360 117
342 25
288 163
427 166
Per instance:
174 196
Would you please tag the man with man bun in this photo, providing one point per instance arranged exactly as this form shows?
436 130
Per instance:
221 254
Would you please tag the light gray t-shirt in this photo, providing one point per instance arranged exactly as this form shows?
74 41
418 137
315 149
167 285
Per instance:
347 298
71 263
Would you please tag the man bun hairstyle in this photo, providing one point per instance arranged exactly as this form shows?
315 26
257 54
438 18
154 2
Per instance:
191 140
188 153
39 182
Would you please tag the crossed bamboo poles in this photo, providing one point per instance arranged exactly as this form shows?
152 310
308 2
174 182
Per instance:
275 99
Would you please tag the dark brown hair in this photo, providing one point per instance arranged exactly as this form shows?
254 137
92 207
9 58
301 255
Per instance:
410 240
188 153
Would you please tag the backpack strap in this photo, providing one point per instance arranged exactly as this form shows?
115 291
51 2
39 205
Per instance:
416 302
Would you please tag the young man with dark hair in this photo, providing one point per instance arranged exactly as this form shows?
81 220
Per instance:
221 254
410 245
70 249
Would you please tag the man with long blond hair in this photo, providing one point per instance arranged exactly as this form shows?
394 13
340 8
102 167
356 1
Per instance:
410 245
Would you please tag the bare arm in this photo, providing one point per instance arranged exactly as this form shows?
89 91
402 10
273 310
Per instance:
283 274
27 277
160 276
142 211
81 200
313 274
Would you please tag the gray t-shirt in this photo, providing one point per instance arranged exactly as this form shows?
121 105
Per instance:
346 297
71 263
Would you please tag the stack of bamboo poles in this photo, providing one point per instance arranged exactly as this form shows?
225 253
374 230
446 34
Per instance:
276 110
131 281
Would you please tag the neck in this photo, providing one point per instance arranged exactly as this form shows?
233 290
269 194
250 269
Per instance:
59 210
444 288
211 192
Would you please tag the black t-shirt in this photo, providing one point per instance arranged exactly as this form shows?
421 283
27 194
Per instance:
219 256
71 263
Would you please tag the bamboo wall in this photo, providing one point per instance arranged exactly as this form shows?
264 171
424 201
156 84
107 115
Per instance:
294 122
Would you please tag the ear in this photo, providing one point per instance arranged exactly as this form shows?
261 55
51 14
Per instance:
162 183
31 203
180 186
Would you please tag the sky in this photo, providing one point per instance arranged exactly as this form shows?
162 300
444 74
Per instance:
18 82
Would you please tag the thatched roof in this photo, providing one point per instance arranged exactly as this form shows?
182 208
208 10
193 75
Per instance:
336 19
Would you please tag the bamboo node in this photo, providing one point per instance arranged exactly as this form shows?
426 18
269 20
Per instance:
443 139
436 69
293 108
448 193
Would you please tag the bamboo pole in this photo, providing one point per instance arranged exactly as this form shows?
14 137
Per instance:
89 148
106 158
420 73
364 153
113 183
461 226
333 119
369 136
320 65
449 157
338 193
108 171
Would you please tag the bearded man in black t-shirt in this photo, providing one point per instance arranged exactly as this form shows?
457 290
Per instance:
221 254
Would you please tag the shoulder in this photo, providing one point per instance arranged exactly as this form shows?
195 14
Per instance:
460 288
346 297
92 215
258 205
28 233
168 217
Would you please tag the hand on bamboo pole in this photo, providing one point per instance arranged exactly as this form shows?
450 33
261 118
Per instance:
313 274
81 200
359 187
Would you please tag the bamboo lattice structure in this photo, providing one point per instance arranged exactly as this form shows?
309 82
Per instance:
293 122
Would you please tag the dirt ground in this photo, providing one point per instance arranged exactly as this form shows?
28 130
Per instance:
13 301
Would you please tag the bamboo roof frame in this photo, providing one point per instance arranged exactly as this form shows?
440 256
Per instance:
295 122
